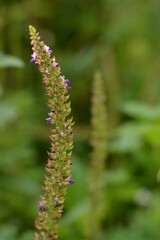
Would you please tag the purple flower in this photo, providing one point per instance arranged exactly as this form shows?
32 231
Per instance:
41 206
47 49
68 87
70 180
56 201
66 81
48 120
55 64
33 59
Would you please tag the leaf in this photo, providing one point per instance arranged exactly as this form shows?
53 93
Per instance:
27 235
8 232
116 176
10 61
75 213
141 110
8 114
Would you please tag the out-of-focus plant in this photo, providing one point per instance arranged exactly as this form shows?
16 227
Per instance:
18 164
7 60
142 127
98 156
58 174
135 186
143 225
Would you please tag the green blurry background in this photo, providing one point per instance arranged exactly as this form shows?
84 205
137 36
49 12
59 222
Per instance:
121 38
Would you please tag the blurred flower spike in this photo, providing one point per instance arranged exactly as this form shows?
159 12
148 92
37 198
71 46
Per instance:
58 167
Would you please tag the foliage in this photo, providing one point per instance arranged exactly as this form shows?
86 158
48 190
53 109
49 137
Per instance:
10 61
121 38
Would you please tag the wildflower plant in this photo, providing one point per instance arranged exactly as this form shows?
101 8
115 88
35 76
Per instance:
98 141
58 167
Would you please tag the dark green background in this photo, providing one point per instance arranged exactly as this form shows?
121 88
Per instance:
121 38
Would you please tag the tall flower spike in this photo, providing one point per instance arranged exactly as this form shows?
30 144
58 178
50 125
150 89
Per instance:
58 173
98 143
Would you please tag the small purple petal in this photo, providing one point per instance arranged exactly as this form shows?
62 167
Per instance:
33 59
67 81
68 87
47 49
55 64
41 206
56 201
70 180
48 120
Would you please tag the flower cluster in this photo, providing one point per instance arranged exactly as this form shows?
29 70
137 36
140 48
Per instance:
58 173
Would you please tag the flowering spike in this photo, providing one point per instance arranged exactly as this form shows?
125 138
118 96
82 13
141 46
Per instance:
98 143
59 158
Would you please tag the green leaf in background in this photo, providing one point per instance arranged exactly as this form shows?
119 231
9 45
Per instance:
27 235
129 137
144 224
116 177
8 113
7 60
141 110
8 232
